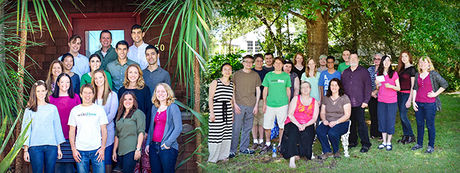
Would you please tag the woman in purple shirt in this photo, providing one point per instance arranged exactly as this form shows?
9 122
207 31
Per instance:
65 99
425 101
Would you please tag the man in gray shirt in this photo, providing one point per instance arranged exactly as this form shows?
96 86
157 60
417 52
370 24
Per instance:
154 74
117 68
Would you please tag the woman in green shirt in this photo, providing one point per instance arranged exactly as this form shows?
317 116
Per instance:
129 133
94 64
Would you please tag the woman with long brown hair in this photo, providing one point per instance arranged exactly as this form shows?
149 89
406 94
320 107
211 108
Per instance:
406 72
130 127
42 145
55 69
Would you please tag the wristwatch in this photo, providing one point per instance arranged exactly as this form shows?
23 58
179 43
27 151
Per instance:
138 149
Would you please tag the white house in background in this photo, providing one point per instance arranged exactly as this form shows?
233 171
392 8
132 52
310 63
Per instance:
250 42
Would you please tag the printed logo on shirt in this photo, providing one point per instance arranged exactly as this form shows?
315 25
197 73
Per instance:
86 114
277 81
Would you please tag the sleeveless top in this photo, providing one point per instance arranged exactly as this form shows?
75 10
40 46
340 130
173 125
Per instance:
303 113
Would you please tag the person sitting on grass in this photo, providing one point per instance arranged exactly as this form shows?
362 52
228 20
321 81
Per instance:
300 129
335 112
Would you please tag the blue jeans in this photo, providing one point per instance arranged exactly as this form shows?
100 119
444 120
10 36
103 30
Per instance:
386 113
127 162
87 158
43 158
108 155
407 128
426 112
324 132
162 160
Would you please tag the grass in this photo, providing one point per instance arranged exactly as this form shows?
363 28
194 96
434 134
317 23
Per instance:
446 157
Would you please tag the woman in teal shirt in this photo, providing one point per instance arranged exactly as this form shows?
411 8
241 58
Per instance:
94 64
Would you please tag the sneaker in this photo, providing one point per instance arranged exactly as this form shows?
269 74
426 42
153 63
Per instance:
325 156
231 155
337 155
247 151
389 147
265 149
381 146
429 150
416 147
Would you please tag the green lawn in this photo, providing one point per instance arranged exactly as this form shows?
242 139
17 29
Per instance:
446 157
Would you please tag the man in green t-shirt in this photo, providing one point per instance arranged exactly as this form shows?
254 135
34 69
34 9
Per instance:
346 64
276 98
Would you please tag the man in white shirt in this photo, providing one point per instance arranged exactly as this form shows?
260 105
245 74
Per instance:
81 62
90 122
136 52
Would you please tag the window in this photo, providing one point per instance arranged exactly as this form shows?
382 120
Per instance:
257 46
250 46
92 40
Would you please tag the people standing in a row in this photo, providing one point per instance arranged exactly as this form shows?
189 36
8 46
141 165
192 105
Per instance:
426 102
108 99
357 85
68 62
295 79
220 102
55 69
247 93
89 121
80 61
94 64
406 73
43 131
276 98
257 127
344 65
130 129
65 100
387 83
118 67
374 127
327 75
298 66
165 127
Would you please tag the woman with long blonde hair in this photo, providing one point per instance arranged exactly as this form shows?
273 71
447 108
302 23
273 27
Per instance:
55 69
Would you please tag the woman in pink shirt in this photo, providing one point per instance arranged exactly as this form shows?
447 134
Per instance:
64 99
300 130
429 84
387 100
165 127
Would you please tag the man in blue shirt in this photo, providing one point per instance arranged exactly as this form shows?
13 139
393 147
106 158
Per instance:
117 68
328 75
81 62
154 74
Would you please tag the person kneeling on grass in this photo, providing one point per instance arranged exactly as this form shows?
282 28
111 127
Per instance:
300 129
335 112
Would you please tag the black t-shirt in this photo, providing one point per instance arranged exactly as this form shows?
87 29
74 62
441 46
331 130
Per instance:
297 71
262 74
404 78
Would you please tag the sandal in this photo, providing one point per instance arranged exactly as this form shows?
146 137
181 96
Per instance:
389 147
381 146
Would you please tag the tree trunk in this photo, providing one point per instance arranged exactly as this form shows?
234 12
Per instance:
21 59
317 33
354 43
196 107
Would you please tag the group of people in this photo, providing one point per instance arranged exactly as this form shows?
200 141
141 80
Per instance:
117 105
305 100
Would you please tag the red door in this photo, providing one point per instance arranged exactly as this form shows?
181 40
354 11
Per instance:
83 23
